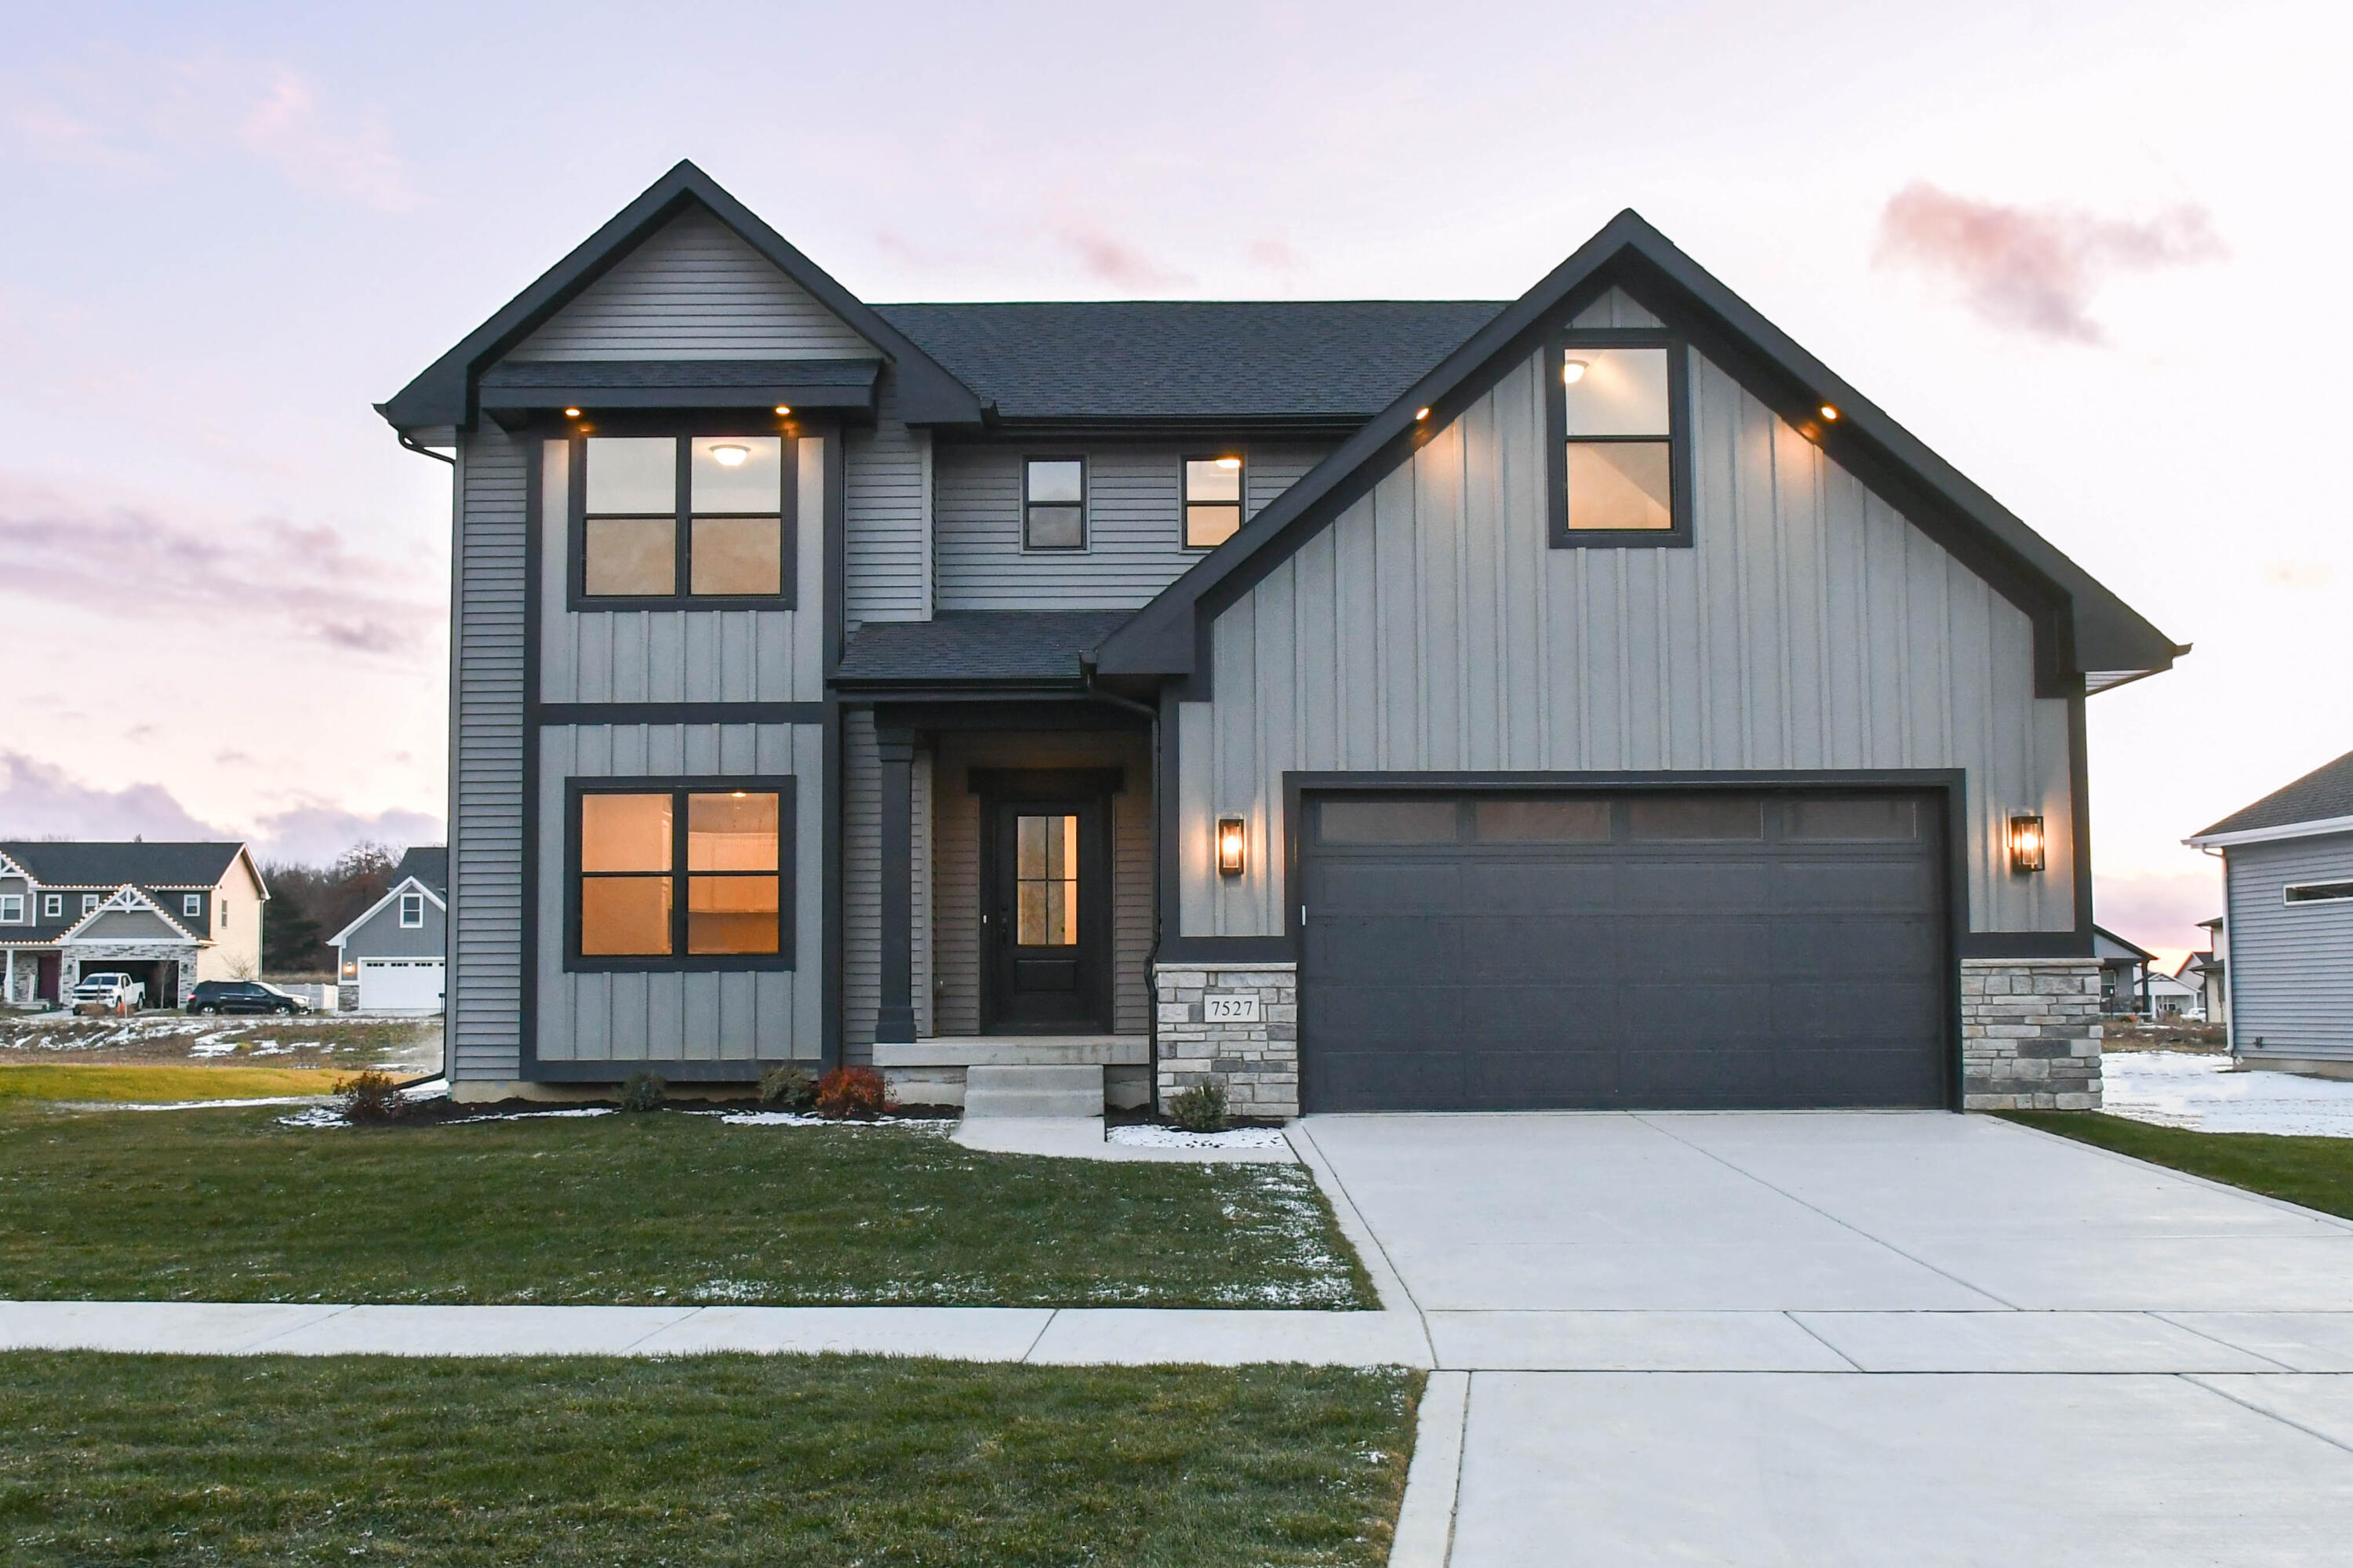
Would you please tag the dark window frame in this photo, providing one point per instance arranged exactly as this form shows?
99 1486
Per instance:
1679 455
684 434
680 962
1185 502
1086 506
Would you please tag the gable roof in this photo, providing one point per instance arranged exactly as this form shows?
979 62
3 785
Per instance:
429 863
63 864
403 884
2319 803
2133 949
1333 361
445 392
132 899
2080 627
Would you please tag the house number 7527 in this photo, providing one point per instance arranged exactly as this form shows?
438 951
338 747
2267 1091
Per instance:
1230 1009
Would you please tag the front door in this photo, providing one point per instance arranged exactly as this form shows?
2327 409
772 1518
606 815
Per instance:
1044 925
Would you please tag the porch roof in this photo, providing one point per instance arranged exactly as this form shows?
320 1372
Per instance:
988 647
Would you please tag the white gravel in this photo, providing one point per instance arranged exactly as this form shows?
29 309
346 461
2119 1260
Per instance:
1177 1138
2202 1092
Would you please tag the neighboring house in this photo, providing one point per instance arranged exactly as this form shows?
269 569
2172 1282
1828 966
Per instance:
2123 967
2169 996
2209 972
2287 904
393 958
167 915
1581 700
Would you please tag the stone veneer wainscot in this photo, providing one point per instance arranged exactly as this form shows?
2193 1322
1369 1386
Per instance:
2029 1034
1257 1063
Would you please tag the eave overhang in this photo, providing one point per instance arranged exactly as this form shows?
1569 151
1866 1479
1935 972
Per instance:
2319 828
517 394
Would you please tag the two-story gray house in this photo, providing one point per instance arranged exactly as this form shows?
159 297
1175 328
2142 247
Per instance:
167 914
392 956
1586 699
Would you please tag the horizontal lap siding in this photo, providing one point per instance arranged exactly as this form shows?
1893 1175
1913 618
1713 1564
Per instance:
1133 540
861 884
748 1017
2291 965
888 508
1810 626
485 982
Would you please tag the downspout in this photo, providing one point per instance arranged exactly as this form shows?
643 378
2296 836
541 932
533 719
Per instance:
2230 970
1152 954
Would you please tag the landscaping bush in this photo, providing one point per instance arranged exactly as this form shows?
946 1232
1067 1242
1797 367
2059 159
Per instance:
371 1096
644 1092
858 1094
1201 1109
787 1089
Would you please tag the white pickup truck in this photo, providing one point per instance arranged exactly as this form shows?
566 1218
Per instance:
112 991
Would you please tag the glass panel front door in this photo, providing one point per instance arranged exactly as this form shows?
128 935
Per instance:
1046 879
1044 926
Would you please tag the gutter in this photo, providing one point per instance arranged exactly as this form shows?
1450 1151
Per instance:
2320 827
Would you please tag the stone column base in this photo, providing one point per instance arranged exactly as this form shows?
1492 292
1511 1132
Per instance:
1257 1062
2029 1034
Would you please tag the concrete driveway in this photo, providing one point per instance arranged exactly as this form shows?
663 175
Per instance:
1861 1338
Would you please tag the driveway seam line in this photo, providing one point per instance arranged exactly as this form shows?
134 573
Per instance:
1842 1224
1051 1313
687 1316
1809 1330
1317 1169
2217 1339
1461 1463
2199 1379
250 1346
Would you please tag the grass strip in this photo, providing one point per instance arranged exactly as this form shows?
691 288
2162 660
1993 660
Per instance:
157 1085
707 1460
660 1209
2316 1173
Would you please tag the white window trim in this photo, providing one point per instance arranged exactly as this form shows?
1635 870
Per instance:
89 902
12 908
192 905
53 905
2344 897
407 901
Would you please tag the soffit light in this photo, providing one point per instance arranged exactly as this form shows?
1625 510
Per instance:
731 455
784 407
1421 414
1829 412
1233 843
1572 371
1229 462
571 413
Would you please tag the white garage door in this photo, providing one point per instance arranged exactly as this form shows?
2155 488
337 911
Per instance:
400 985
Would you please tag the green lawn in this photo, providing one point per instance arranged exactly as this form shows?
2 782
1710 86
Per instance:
704 1461
230 1205
2316 1173
81 1081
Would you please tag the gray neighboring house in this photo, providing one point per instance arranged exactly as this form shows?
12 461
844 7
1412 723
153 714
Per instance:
2125 969
167 914
1587 699
394 957
2286 968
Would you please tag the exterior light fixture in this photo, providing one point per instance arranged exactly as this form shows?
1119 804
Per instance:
1233 843
571 413
784 407
1829 412
1421 414
1572 371
731 455
2027 841
1229 462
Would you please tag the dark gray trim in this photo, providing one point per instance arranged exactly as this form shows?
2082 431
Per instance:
1679 500
556 714
517 395
579 601
2079 807
705 1071
2023 945
1185 502
998 710
527 977
1086 793
1228 950
443 394
784 786
829 983
1072 782
1086 504
894 1001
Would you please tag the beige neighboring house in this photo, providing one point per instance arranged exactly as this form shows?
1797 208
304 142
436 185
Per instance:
167 914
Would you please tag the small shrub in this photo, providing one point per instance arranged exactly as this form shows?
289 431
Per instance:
1201 1109
643 1092
787 1089
856 1093
371 1096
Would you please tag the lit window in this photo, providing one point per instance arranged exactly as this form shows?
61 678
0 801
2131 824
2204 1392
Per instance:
670 518
412 911
1046 882
1054 504
1618 432
1213 501
192 905
682 878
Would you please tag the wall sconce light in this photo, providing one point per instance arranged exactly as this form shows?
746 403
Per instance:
2026 844
1572 371
1233 843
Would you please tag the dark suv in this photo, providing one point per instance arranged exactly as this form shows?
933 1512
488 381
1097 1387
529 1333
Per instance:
243 996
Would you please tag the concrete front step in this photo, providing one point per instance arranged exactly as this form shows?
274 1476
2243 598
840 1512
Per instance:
1057 1091
1017 1051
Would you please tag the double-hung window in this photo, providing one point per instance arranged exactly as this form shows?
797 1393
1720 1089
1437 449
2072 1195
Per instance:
192 905
89 902
412 911
1054 504
12 908
1623 473
694 873
682 521
1213 501
53 905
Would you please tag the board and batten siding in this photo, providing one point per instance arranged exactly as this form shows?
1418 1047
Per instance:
1431 627
1135 527
2291 965
763 1015
887 518
695 289
485 754
682 655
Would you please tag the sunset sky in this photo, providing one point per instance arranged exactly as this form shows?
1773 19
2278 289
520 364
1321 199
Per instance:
2091 253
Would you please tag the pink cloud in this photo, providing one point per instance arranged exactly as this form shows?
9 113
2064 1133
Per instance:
1119 262
2159 910
2034 270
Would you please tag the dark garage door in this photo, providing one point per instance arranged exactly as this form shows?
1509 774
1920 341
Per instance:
1657 949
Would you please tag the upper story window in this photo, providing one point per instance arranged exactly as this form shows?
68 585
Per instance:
696 873
412 911
192 905
682 521
1624 473
1054 504
1213 501
53 905
2316 892
89 902
12 908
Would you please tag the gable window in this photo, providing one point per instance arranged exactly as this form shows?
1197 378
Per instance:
1054 504
686 874
53 905
1622 476
681 520
192 905
1213 501
2316 892
412 911
12 909
89 902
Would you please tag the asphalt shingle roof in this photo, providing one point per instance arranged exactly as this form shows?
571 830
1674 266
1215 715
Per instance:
968 645
67 865
1174 359
429 863
2319 796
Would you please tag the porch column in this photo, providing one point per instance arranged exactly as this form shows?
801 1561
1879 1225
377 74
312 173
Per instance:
894 1013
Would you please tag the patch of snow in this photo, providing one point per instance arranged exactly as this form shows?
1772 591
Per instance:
317 1116
1151 1137
531 1115
811 1118
2200 1091
213 1045
432 1088
214 1105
